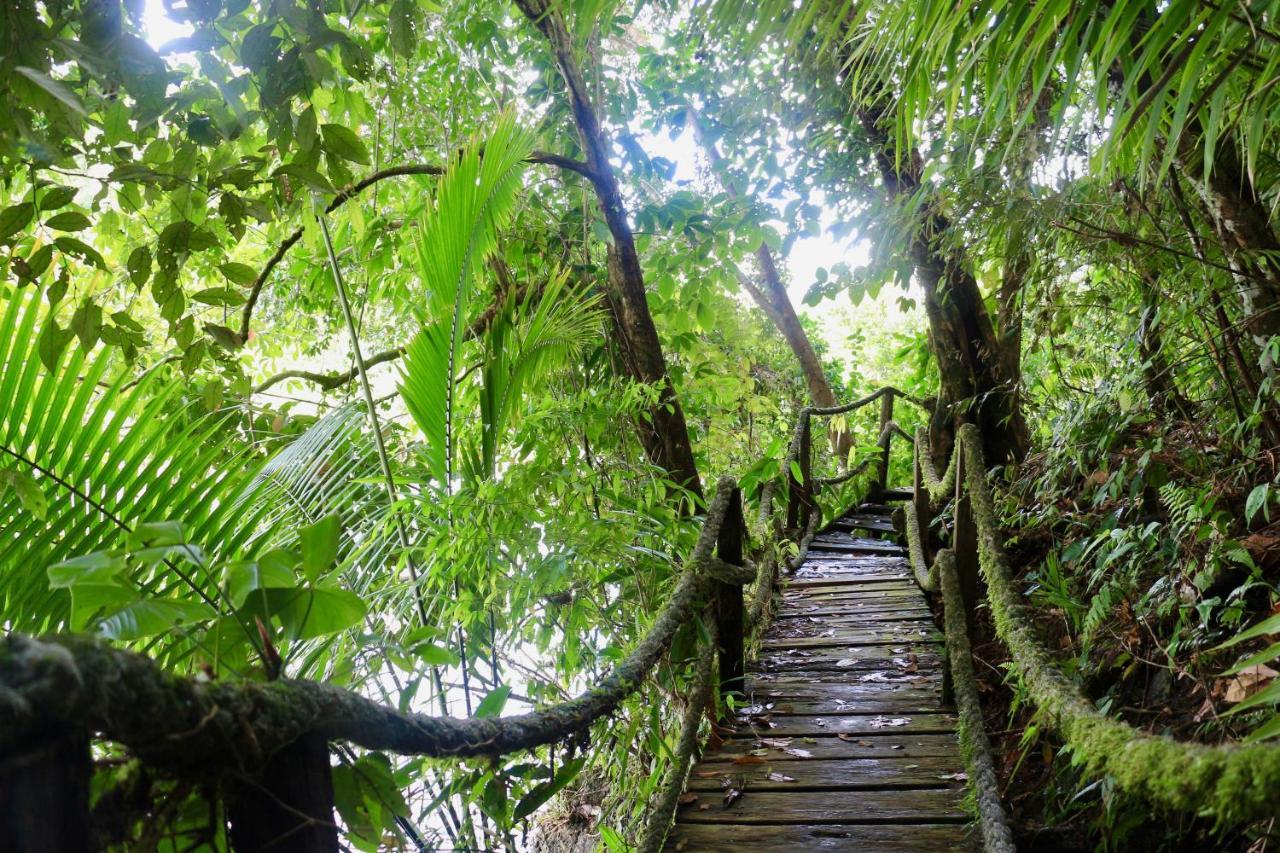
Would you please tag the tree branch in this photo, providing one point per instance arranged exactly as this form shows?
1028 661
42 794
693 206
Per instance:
348 193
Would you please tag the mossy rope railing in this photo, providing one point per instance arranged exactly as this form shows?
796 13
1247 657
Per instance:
59 692
1232 783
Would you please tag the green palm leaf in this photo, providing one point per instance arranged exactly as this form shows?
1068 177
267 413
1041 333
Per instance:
97 457
474 198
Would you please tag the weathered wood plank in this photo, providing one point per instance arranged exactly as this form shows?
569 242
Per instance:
843 774
730 838
941 747
774 807
862 724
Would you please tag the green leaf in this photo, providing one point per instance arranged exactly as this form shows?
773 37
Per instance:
1270 625
539 794
68 220
315 612
433 655
152 616
56 197
53 340
238 273
1267 730
86 323
1257 500
60 92
401 33
319 544
29 493
219 296
156 534
492 705
139 266
307 175
343 142
241 579
95 568
14 218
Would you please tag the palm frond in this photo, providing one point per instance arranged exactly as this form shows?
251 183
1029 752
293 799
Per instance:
475 197
104 457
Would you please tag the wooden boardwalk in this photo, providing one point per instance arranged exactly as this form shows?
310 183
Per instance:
846 745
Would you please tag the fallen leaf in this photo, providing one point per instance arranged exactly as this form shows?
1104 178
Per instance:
846 662
687 798
959 777
731 796
775 742
681 845
885 722
702 807
1248 681
780 777
707 774
797 752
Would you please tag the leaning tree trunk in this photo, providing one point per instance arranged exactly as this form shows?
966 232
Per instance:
665 434
770 294
975 382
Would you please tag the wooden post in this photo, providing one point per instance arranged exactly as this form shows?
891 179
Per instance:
965 542
885 439
730 620
289 807
44 796
800 491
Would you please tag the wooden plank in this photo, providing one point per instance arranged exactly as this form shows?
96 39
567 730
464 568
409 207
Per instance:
847 639
870 614
897 495
835 698
856 546
842 662
731 838
776 807
836 582
874 523
940 747
864 725
845 774
855 634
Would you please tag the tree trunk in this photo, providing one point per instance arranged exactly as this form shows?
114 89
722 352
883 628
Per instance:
665 435
974 380
768 291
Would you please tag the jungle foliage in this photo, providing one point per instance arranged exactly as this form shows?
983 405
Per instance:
373 342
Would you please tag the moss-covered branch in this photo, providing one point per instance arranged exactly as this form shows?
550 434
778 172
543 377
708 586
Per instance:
182 723
977 748
1230 782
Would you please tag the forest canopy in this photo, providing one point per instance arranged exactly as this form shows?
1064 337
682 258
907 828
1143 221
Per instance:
399 349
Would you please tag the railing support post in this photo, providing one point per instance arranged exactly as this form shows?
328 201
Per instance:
288 808
965 542
730 620
800 491
44 796
885 440
920 498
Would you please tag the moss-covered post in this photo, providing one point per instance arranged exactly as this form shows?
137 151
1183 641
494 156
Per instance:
730 625
920 499
44 795
965 541
886 439
288 807
800 488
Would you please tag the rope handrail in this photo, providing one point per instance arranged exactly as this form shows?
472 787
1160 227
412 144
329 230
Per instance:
179 722
1230 781
845 408
81 687
996 836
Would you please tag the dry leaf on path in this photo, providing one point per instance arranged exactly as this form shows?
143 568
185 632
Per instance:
780 777
687 798
797 752
1248 681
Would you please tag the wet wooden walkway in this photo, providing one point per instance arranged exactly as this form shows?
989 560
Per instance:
846 744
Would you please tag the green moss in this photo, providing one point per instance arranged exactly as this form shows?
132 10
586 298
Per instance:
1229 782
